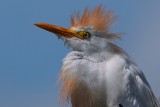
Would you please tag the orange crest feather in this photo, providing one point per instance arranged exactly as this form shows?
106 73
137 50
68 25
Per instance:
98 18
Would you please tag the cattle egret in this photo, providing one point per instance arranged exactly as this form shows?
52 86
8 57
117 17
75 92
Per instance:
98 73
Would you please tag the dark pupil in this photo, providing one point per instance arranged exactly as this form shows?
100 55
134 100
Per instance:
85 34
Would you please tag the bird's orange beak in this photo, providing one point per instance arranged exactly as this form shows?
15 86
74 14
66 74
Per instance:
65 32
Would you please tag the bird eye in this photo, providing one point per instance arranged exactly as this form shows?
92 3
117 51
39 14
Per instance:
85 35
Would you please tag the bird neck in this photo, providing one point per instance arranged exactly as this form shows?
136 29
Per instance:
105 53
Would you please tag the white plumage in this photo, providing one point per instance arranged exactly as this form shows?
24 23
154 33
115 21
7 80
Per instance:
115 80
97 73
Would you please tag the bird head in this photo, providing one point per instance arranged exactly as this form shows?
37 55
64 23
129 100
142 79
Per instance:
89 31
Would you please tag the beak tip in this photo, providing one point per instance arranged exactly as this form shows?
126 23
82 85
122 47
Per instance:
46 26
35 24
43 25
56 29
38 24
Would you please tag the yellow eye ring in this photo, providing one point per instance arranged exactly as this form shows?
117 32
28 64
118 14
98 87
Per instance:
85 35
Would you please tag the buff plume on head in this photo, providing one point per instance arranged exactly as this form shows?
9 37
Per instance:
98 18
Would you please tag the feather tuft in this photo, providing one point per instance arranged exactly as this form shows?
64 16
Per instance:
98 18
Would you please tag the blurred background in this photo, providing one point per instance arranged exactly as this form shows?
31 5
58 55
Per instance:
30 58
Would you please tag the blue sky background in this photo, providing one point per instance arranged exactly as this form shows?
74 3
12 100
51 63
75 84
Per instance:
30 58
